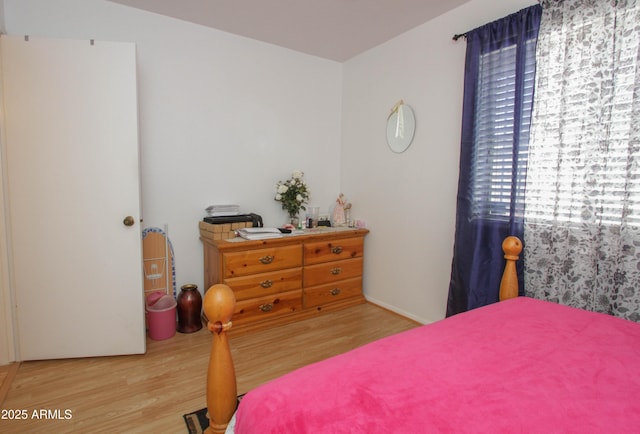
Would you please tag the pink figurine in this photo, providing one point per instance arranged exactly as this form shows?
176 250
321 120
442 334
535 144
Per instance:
338 211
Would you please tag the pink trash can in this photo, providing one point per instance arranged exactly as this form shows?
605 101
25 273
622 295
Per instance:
161 316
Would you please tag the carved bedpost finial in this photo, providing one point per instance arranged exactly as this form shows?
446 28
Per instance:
512 246
219 303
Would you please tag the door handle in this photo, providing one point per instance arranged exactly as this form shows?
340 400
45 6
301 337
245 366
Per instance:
128 221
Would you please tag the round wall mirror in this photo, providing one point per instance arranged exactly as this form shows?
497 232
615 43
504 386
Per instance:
401 125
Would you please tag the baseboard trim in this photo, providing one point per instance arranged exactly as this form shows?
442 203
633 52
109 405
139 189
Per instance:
395 310
8 379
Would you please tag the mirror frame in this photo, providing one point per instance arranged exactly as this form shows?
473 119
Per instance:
401 126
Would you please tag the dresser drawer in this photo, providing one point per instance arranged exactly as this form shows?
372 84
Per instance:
261 260
257 309
333 250
259 285
324 294
332 272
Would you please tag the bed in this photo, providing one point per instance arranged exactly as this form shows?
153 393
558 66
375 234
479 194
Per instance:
520 365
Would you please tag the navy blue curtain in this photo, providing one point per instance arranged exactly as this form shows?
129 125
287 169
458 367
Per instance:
478 259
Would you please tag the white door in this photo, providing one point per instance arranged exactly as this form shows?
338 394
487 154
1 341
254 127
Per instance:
70 111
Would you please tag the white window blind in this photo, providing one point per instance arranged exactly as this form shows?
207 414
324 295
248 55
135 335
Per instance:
496 185
586 168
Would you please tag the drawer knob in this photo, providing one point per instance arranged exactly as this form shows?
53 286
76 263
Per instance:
267 259
266 283
335 271
335 291
267 307
337 250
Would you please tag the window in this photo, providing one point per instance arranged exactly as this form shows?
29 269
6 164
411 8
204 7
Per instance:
585 159
582 219
498 176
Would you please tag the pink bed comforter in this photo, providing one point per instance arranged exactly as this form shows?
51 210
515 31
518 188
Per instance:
519 366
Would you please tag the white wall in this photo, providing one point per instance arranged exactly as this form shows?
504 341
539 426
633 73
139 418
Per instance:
222 117
409 199
2 26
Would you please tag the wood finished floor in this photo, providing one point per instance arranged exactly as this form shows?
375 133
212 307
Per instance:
151 392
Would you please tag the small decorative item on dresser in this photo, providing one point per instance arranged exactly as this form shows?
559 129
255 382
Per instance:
293 194
189 309
340 211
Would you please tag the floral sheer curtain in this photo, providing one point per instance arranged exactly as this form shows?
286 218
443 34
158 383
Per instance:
582 218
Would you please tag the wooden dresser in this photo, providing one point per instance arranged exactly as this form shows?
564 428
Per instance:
286 279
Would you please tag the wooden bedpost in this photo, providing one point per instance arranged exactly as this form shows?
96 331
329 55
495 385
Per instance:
219 304
512 246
